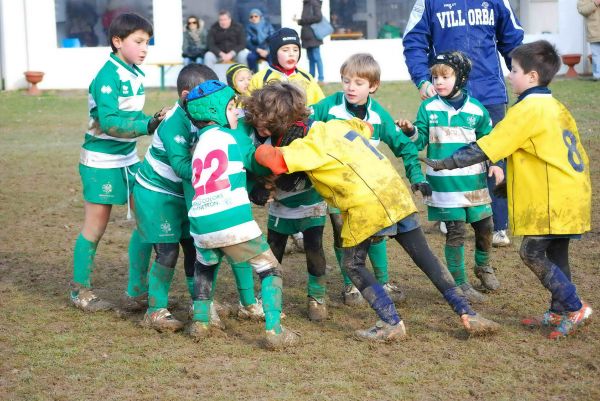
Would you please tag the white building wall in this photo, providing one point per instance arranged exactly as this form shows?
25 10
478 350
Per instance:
29 43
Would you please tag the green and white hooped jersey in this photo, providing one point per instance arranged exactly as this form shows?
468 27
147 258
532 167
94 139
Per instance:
443 129
334 108
168 160
220 214
115 101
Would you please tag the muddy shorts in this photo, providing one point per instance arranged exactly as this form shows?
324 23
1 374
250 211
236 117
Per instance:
161 218
237 253
107 186
407 224
470 214
282 225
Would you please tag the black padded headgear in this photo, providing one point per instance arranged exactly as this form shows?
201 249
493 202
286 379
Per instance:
460 63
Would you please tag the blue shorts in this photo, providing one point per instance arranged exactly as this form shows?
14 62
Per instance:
409 223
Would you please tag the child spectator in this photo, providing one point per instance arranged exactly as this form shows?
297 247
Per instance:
445 121
360 75
258 31
161 211
109 158
220 213
284 54
354 177
548 181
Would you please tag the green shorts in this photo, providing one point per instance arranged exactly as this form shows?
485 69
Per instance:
237 253
107 186
292 226
470 214
160 218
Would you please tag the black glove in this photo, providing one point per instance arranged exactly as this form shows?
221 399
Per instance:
259 195
153 123
296 131
439 164
500 190
422 187
291 182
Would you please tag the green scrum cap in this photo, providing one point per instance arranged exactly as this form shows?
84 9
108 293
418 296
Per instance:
208 102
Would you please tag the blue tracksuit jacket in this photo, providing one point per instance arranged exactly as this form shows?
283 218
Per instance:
479 28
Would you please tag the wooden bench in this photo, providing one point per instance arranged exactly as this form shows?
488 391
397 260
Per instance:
165 66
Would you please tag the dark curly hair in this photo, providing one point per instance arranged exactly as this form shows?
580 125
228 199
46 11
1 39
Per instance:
276 107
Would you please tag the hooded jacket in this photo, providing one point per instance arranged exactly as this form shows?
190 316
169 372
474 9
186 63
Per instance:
311 14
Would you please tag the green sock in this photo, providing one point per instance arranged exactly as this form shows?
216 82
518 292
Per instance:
139 259
202 310
159 282
245 282
189 281
378 257
271 289
317 287
339 254
83 260
482 258
455 259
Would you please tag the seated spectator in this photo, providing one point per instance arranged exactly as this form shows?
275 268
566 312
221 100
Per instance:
194 41
257 32
226 42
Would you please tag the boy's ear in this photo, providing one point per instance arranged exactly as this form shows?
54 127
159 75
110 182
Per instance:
373 88
116 41
533 76
184 94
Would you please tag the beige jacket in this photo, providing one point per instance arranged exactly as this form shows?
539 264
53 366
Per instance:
591 12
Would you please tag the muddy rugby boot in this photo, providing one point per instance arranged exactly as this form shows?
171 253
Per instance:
317 310
85 299
571 322
252 312
474 296
382 332
546 320
477 325
287 338
352 296
487 277
162 320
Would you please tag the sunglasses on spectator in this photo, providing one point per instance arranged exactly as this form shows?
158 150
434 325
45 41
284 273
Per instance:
255 16
192 22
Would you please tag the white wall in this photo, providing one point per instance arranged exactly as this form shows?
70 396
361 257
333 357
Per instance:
73 68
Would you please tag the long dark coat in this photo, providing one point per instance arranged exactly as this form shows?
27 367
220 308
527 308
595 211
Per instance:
311 13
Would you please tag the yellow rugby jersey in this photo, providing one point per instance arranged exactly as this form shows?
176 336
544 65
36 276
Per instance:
548 178
302 78
351 175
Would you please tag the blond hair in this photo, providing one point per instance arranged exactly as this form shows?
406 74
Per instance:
442 69
362 65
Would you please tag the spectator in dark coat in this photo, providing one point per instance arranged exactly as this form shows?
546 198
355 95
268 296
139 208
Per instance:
226 42
257 32
311 14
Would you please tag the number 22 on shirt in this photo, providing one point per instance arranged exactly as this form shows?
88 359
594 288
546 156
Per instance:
207 174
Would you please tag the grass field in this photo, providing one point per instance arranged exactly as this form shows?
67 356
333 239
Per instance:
51 351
